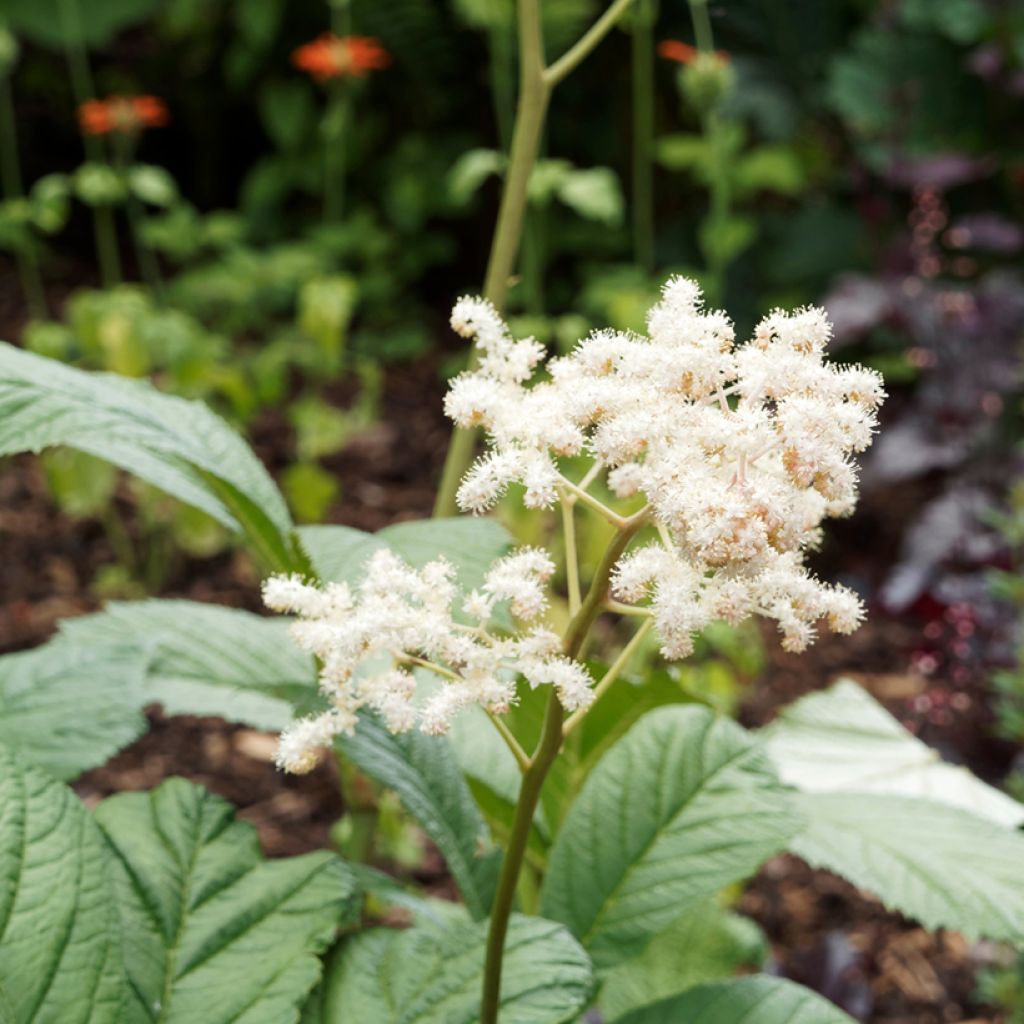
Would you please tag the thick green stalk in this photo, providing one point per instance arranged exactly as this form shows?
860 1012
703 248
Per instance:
536 82
643 133
124 154
10 168
540 764
534 93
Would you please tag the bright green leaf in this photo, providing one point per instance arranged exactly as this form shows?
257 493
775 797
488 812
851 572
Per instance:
433 975
595 194
179 446
423 771
98 185
770 168
206 660
756 1000
45 21
215 933
60 941
69 709
152 185
705 944
940 865
842 740
470 544
471 170
685 804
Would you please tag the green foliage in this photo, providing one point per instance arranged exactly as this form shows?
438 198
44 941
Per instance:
423 771
705 944
339 552
60 937
683 785
751 1000
200 659
68 709
432 975
48 21
213 932
842 740
941 865
180 447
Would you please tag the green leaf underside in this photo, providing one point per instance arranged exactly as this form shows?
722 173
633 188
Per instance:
842 740
60 942
433 975
215 933
938 864
754 1000
206 660
177 445
340 553
68 710
685 804
707 943
423 771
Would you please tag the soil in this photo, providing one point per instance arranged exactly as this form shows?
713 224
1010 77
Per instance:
824 933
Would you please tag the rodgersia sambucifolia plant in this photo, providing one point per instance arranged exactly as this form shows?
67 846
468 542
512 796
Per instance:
589 820
724 461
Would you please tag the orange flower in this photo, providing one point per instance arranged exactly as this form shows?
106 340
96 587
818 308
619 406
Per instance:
672 49
331 56
124 114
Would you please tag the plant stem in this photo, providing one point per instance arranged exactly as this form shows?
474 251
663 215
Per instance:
613 673
10 171
572 563
569 61
540 764
702 26
529 793
535 85
106 245
124 146
643 133
531 111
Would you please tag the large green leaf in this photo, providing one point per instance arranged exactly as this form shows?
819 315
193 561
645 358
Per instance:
939 864
215 933
424 773
470 544
60 942
685 804
69 710
177 445
707 943
756 1000
842 740
95 23
206 660
433 975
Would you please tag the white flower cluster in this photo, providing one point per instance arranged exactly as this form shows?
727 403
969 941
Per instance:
369 639
740 451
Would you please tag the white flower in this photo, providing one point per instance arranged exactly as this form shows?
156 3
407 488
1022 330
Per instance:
740 451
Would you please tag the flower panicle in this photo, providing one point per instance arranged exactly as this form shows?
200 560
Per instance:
741 451
370 638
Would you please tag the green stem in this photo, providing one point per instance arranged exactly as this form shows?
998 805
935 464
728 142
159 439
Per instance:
10 169
124 153
529 794
643 133
335 123
540 764
702 26
575 55
106 245
531 111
